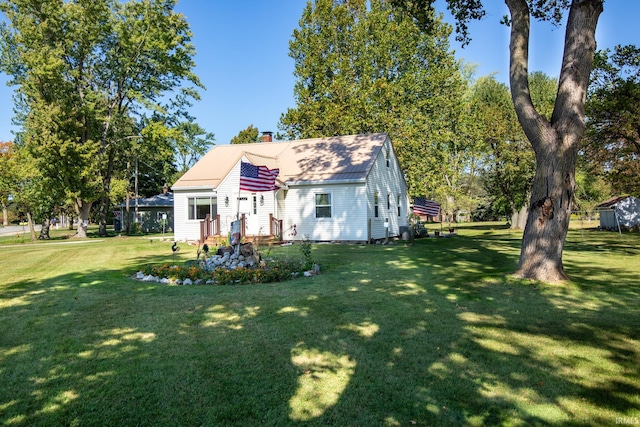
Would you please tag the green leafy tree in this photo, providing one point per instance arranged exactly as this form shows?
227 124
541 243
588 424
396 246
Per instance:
612 143
555 140
362 68
34 194
87 72
246 136
8 177
592 189
510 164
191 142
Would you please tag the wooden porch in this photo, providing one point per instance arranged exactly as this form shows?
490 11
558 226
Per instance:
210 232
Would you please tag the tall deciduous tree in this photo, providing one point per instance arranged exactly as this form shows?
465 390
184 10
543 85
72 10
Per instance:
555 141
361 67
8 177
86 71
510 165
247 136
191 142
612 146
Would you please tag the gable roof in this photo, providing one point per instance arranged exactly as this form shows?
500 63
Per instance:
611 203
158 201
333 159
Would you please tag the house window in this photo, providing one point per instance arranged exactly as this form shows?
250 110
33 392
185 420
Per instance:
254 201
199 207
375 204
398 205
387 157
388 201
323 205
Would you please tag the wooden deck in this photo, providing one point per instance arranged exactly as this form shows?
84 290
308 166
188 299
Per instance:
210 232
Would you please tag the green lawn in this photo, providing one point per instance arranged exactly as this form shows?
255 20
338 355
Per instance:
431 334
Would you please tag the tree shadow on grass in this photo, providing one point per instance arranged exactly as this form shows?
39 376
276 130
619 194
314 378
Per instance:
431 334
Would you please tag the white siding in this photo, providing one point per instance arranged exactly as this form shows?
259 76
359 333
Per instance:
348 213
351 206
186 229
387 180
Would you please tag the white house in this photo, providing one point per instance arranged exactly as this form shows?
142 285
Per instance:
343 188
619 212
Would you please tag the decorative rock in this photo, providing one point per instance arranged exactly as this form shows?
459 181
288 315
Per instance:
199 281
178 282
139 275
165 281
225 250
308 273
187 281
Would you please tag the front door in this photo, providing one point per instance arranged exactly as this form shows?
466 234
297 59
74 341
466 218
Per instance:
250 207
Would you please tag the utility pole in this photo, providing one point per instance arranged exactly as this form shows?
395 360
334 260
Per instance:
128 217
136 190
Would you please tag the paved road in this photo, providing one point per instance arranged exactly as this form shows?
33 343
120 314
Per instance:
12 230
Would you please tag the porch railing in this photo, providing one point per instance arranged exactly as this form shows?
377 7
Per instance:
275 227
209 227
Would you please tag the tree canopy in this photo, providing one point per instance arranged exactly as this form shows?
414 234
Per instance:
89 76
247 136
556 139
612 147
362 67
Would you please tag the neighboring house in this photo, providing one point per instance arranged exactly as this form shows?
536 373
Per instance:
619 212
343 188
155 214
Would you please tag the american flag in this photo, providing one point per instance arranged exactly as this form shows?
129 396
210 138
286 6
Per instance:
422 206
257 178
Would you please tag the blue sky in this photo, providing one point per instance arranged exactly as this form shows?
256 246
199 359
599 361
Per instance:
242 56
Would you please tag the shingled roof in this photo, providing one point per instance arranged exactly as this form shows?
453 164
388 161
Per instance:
164 200
333 159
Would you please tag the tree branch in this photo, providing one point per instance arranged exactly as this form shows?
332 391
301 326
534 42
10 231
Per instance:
532 122
577 61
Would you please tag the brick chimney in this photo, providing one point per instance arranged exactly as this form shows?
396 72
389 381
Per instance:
267 136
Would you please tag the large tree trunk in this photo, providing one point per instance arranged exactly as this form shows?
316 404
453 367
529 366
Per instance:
44 230
519 218
32 229
103 213
82 210
5 215
549 214
555 143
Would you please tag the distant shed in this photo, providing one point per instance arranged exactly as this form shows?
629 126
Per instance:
622 210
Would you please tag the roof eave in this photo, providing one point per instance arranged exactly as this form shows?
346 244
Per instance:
327 182
194 187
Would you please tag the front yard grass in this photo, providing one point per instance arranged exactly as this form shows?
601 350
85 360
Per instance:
431 334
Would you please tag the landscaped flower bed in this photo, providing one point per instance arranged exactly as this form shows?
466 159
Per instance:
232 267
195 273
